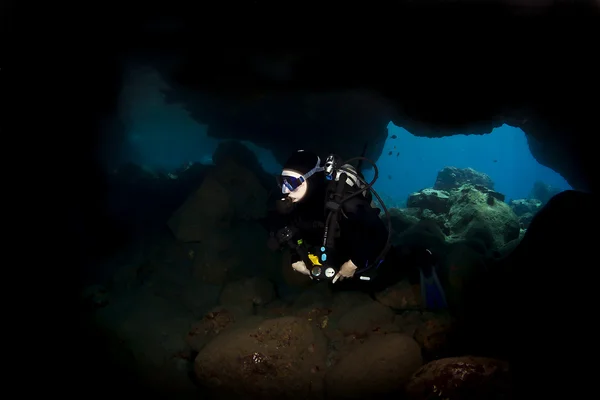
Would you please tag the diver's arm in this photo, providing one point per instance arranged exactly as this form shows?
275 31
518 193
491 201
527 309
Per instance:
365 231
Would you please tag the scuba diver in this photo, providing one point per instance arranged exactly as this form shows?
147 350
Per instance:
325 214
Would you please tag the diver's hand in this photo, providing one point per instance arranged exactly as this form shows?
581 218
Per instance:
301 267
346 271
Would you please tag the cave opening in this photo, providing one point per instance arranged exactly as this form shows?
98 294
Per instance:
163 136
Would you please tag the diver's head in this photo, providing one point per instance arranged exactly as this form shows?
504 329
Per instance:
295 178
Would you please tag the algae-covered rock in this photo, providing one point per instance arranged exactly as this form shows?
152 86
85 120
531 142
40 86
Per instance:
524 206
437 201
474 209
402 219
526 209
451 178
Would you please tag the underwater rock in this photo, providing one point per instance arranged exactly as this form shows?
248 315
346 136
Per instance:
247 293
365 319
402 218
525 206
461 378
508 248
234 254
229 191
315 295
463 269
472 208
452 178
380 365
437 201
95 296
274 359
525 220
525 209
400 296
543 192
434 335
440 220
492 194
345 301
211 324
424 235
242 155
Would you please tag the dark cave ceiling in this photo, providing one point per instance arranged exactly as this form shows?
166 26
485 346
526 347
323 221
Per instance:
434 68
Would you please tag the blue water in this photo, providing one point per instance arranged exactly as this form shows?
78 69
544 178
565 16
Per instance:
165 136
503 154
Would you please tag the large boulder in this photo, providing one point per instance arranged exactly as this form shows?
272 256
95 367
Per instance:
212 323
452 178
365 319
235 254
401 296
463 268
274 359
221 219
401 219
230 191
479 213
525 209
525 206
461 378
437 201
380 365
245 294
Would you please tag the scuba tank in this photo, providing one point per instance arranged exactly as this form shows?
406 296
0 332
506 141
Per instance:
346 183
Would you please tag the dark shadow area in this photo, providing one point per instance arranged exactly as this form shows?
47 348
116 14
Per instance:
533 305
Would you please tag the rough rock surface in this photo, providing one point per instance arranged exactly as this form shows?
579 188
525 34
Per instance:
213 323
434 335
452 178
278 358
229 191
468 208
461 378
401 296
247 294
220 219
472 209
263 118
364 319
402 219
525 209
437 201
525 206
380 365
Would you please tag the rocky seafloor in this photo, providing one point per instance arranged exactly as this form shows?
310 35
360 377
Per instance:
206 309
